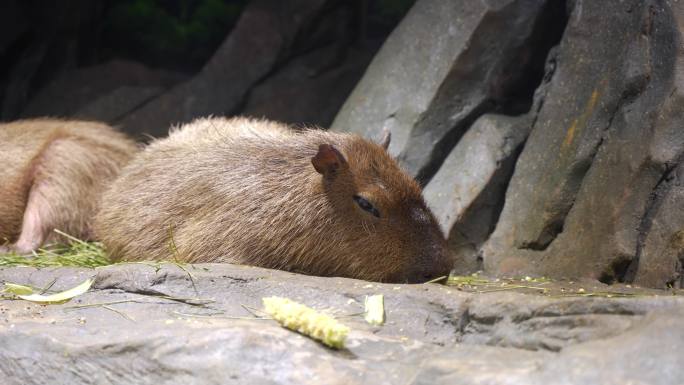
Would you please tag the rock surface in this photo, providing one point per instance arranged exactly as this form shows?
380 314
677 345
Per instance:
113 106
264 33
465 194
145 324
447 63
300 94
76 92
662 255
595 191
596 171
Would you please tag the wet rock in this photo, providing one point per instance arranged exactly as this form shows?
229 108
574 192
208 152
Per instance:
447 63
264 33
165 324
585 187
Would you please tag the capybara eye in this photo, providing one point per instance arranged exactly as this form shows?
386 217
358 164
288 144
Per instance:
367 206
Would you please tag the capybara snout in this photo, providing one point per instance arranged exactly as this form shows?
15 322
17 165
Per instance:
432 258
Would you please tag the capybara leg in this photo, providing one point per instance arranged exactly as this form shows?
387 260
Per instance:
66 182
35 223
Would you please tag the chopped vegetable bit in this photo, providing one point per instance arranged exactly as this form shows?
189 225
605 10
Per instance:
375 309
13 288
61 297
307 321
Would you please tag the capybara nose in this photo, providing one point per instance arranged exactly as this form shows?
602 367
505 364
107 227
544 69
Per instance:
437 262
431 272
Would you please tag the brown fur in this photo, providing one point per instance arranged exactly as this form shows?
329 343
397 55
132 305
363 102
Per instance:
245 191
51 175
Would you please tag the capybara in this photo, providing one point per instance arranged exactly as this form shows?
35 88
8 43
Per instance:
256 192
52 173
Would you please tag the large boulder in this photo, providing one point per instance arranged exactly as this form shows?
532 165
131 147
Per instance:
594 189
116 104
447 63
196 324
466 193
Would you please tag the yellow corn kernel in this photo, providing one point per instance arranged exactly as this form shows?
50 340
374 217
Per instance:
307 321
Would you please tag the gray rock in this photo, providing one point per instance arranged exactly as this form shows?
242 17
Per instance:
116 104
444 65
647 353
587 182
76 91
146 324
661 253
301 93
465 194
264 33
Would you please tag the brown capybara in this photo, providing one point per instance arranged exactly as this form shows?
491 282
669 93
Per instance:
255 192
52 173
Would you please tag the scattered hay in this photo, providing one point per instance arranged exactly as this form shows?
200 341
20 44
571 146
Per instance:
476 283
76 253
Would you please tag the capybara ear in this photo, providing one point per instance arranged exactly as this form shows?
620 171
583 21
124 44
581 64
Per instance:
386 138
328 160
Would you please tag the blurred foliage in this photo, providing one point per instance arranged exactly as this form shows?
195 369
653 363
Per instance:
178 34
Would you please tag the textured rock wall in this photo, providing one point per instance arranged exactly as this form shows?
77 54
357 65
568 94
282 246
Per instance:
549 132
588 187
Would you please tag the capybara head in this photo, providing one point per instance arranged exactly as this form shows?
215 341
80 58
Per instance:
256 192
384 217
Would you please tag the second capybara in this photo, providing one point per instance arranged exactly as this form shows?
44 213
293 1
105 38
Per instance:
52 173
256 192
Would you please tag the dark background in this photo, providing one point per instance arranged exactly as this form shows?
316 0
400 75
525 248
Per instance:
45 45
